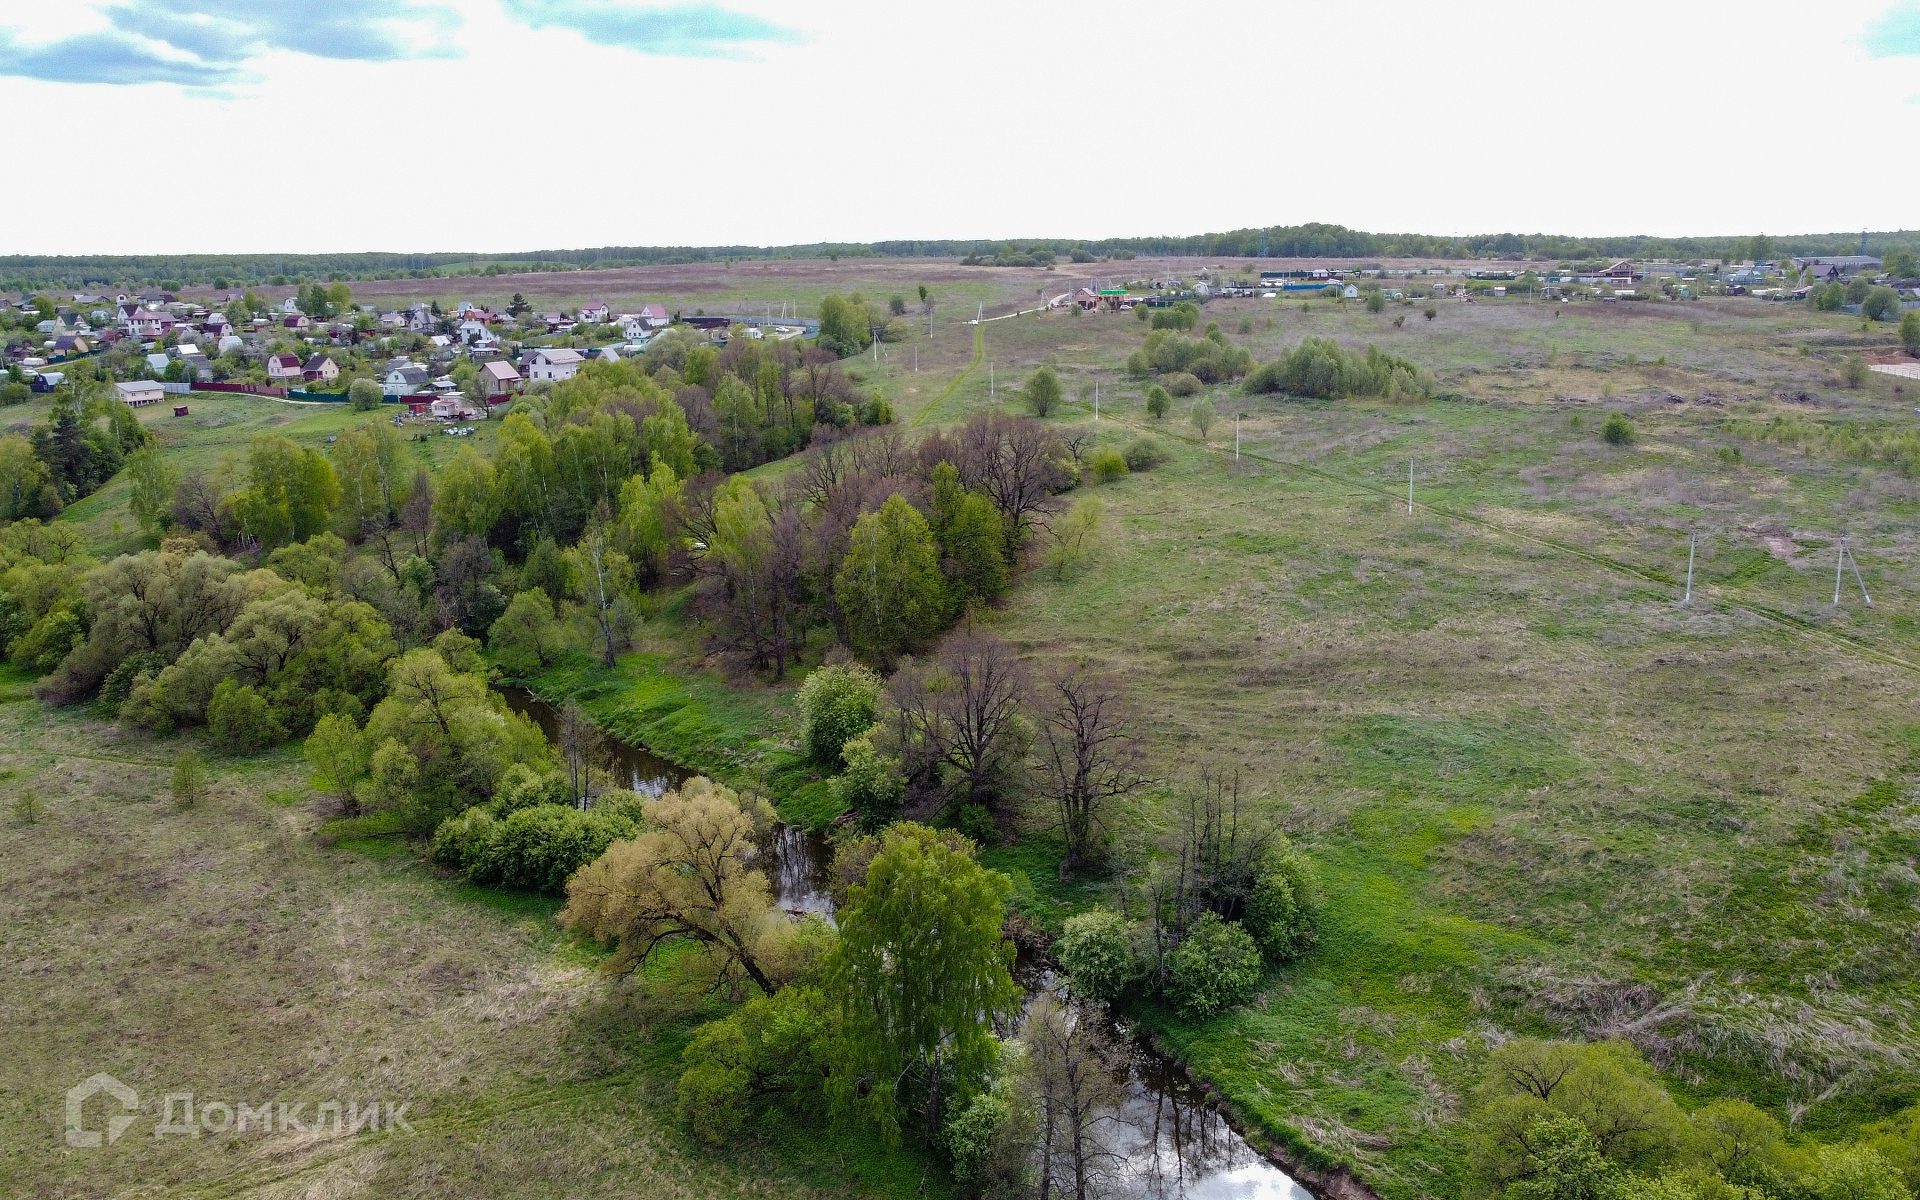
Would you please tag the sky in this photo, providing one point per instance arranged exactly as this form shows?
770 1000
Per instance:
224 126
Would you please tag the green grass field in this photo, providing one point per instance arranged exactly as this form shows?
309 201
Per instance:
1544 795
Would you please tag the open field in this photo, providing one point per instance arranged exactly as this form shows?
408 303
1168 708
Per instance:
223 950
1543 794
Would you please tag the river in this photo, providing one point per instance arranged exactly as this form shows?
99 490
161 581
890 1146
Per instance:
1167 1140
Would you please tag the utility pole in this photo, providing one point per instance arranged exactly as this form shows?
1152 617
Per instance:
1839 565
1096 400
1688 598
994 395
1236 439
1409 486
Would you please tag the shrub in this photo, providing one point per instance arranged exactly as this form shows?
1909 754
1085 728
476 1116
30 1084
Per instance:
540 848
1431 312
463 843
1324 369
1108 465
1215 968
522 786
189 779
871 786
1141 313
1096 951
1618 431
364 394
836 704
1855 373
240 719
1143 454
1376 301
1879 302
1283 913
772 1049
1202 415
1910 333
1181 384
113 691
1158 401
1184 315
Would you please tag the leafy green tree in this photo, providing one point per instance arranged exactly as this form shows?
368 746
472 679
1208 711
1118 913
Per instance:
1901 264
26 486
1043 391
153 482
773 1049
1565 1164
920 973
291 492
869 785
1203 416
972 537
1158 401
889 588
1604 1086
1097 952
1855 1173
1909 340
364 395
526 639
1376 301
837 704
845 326
338 757
602 576
1879 302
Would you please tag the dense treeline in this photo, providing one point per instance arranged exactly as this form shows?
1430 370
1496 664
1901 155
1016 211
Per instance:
24 272
85 440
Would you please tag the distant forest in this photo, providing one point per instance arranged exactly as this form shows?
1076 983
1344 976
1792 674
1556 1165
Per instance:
21 272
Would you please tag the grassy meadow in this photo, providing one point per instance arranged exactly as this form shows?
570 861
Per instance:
1543 794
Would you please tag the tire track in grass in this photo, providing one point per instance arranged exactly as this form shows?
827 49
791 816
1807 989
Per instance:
946 393
1714 596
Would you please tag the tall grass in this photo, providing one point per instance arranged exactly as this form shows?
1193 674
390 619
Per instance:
1855 441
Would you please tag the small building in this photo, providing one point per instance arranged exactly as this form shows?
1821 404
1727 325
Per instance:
594 314
551 365
46 381
499 380
140 392
1836 268
283 368
655 315
179 410
319 369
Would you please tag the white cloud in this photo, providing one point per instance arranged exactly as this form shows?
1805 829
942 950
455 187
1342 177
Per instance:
1014 119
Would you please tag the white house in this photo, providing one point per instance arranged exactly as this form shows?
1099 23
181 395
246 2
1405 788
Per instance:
552 366
140 392
594 314
403 379
655 315
147 323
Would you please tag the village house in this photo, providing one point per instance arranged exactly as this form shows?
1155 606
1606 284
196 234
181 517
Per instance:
319 369
499 380
283 368
140 392
552 366
1836 268
594 314
150 323
655 315
403 379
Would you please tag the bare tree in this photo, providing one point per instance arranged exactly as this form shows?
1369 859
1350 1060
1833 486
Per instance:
1016 462
582 748
1209 861
1077 1075
1087 757
963 714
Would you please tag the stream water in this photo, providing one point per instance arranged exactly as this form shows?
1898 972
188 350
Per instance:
1166 1139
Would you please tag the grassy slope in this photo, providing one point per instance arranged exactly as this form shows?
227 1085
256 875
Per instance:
223 951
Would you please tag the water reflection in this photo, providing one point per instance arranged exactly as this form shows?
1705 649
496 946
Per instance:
1165 1141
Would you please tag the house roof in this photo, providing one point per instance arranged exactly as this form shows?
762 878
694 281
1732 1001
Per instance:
502 371
558 357
139 387
318 361
654 312
409 373
286 362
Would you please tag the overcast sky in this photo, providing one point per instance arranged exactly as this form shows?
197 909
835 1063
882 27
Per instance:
172 126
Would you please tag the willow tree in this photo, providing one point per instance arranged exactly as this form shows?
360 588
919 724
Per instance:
920 972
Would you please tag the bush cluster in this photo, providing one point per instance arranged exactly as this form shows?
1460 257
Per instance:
1323 369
